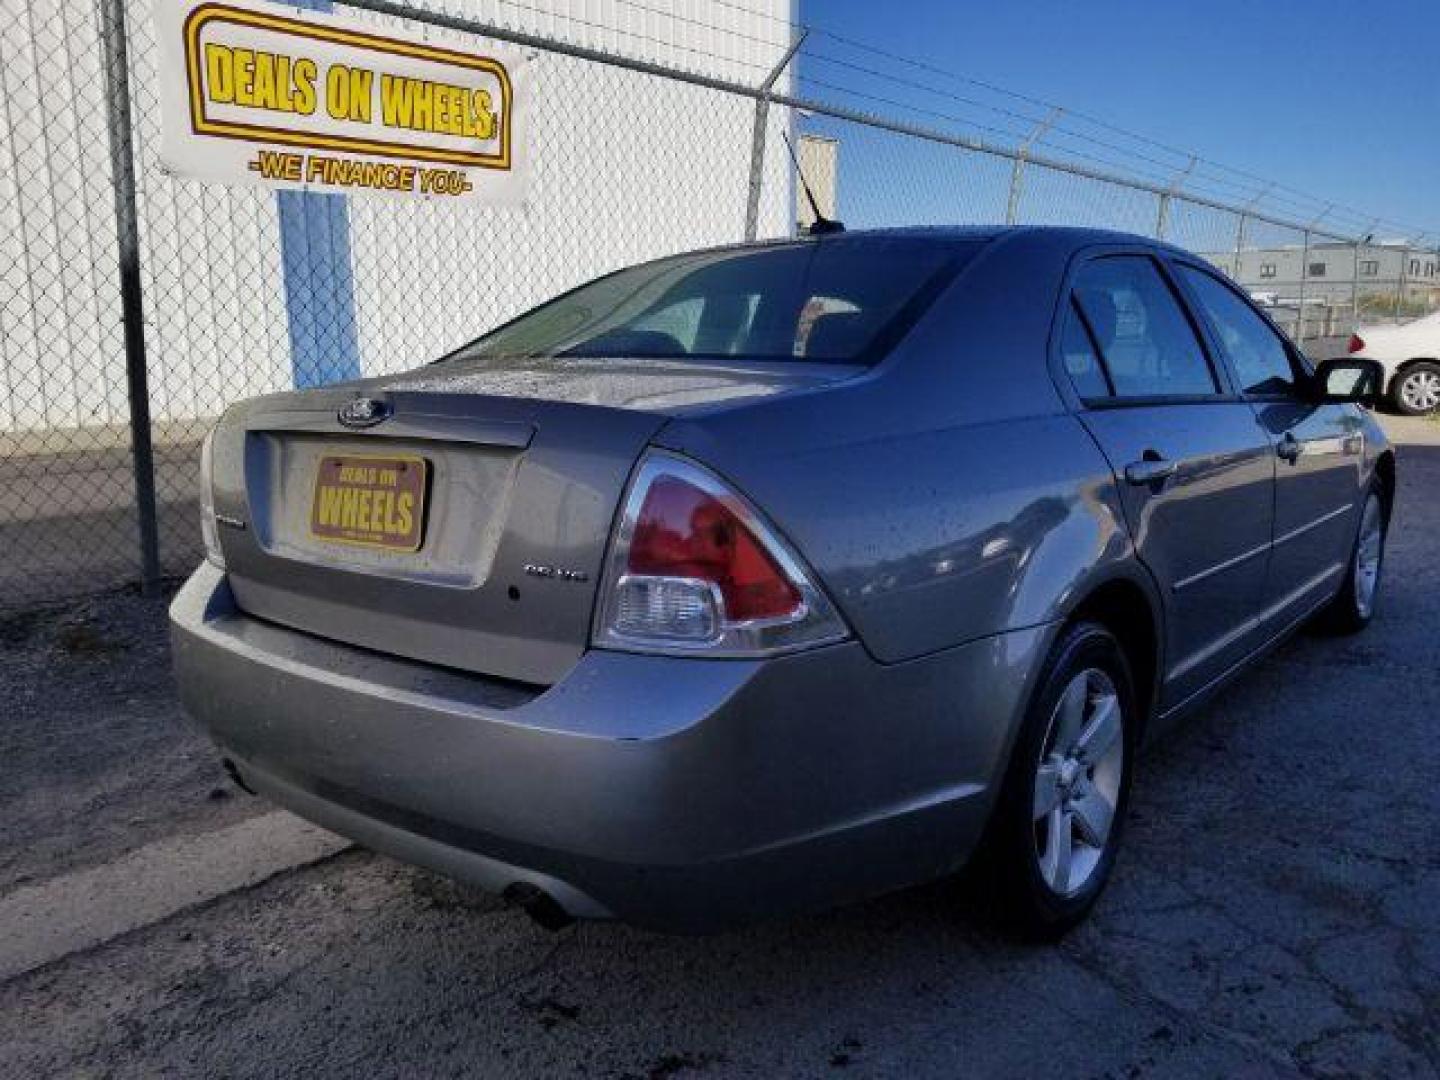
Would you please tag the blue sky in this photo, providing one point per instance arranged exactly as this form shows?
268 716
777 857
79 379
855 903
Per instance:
1338 99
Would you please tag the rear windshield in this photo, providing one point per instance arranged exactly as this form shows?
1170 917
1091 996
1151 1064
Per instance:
829 301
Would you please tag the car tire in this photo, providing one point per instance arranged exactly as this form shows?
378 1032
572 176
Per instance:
1416 390
1354 606
1041 849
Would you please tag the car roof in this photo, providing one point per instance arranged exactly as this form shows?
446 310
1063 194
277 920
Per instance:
1059 237
1046 241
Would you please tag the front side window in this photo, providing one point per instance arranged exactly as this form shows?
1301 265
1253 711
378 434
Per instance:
1256 352
1146 343
831 301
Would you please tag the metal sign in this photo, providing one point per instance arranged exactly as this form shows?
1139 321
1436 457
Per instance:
255 93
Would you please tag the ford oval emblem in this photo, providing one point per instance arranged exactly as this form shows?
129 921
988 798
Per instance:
363 413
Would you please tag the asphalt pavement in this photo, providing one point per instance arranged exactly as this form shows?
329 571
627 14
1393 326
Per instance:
1274 911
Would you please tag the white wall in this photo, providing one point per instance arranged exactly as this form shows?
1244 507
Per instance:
58 301
626 167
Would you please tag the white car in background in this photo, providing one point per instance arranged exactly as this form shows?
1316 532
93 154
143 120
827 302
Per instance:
1410 354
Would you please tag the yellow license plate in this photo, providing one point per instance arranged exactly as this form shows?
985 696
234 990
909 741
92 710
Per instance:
376 502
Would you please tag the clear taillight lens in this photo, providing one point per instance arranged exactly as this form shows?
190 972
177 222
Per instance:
209 533
695 569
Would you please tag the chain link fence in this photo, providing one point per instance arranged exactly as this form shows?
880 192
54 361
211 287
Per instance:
1318 285
65 523
643 144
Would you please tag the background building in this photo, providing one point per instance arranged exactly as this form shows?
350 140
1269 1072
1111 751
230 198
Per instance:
1319 292
1386 277
248 291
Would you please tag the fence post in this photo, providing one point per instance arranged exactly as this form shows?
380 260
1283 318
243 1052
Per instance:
1400 281
1017 167
1355 287
1162 216
1012 206
127 234
757 139
1239 243
1304 267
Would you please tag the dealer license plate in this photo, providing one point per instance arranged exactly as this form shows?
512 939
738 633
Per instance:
375 502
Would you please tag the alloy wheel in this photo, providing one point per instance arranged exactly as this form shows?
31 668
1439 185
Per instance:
1077 782
1421 391
1368 552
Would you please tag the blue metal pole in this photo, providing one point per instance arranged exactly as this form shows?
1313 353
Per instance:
319 281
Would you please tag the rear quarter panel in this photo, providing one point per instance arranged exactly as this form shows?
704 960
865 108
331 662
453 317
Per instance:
949 495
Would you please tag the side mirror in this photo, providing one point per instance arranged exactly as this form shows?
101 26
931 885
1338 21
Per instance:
1349 379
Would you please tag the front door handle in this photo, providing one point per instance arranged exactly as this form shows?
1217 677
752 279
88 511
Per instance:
1151 469
1289 448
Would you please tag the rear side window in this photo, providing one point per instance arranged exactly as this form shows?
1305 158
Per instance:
1082 362
1255 351
838 301
1147 345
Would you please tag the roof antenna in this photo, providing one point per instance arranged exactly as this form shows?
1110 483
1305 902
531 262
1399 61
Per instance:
822 225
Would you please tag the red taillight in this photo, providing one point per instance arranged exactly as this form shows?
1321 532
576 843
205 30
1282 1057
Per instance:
696 570
1356 343
684 532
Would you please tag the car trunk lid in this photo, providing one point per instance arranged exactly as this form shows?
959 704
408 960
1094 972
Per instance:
466 525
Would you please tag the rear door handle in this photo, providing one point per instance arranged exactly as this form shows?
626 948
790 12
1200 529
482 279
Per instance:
1150 470
1289 448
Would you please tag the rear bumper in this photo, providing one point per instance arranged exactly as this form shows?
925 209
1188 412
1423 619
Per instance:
673 793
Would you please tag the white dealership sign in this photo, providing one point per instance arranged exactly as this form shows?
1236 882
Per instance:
256 93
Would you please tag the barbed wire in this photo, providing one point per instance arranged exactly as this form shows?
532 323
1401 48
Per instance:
1251 188
1053 128
1268 188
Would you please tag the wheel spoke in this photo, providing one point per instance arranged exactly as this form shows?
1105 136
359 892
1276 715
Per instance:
1055 866
1072 713
1047 788
1093 817
1102 734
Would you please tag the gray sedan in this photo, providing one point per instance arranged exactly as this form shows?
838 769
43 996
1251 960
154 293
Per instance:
769 577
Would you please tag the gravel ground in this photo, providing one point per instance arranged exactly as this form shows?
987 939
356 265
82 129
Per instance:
1273 913
96 759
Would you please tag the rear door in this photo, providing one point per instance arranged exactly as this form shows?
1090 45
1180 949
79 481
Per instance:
1195 469
1319 449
